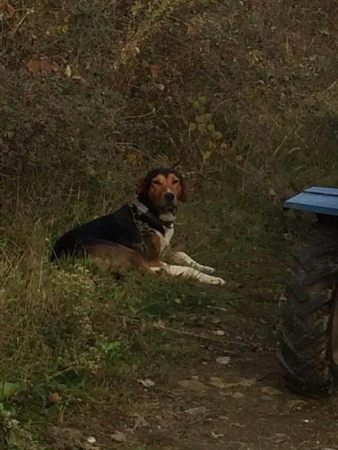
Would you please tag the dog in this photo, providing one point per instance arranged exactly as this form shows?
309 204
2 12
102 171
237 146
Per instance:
138 234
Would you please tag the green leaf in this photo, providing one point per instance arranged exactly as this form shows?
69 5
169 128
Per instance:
14 439
113 349
199 119
8 389
207 155
193 126
217 135
211 127
205 118
202 99
201 127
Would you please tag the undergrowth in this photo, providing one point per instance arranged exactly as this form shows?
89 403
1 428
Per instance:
240 96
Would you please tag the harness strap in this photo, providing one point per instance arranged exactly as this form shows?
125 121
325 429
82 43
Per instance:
143 216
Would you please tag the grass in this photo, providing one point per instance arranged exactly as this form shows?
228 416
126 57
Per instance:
241 97
82 332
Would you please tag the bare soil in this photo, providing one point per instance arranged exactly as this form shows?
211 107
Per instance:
203 404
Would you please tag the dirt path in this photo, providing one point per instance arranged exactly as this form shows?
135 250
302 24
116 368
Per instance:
238 402
234 407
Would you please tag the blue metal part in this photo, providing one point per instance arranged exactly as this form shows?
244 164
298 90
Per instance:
319 200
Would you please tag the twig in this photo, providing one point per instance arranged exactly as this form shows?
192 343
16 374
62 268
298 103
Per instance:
185 333
159 326
200 336
283 141
7 272
23 18
239 167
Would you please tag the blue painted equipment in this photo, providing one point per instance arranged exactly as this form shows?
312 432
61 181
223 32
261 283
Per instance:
319 200
308 322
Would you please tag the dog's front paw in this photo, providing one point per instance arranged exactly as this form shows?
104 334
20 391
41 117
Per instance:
208 269
217 281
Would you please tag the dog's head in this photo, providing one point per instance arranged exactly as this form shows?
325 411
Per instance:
160 190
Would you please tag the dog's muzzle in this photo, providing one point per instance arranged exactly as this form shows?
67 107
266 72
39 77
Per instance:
168 207
169 198
168 201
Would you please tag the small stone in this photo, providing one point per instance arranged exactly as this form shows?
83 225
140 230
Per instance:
196 411
91 440
220 332
270 391
146 383
280 438
217 382
237 395
118 437
224 360
295 404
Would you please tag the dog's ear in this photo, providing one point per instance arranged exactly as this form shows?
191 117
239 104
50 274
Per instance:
183 197
143 186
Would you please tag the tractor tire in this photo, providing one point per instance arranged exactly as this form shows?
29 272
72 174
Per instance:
308 329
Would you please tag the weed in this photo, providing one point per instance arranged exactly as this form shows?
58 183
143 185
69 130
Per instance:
13 436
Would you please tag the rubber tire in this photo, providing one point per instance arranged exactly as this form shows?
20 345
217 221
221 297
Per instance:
307 316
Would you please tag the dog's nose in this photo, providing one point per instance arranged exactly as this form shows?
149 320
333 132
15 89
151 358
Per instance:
169 197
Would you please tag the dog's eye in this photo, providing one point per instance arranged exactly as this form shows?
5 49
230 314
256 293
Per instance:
157 182
175 181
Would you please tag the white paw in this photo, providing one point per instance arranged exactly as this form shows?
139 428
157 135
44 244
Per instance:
216 281
207 269
221 282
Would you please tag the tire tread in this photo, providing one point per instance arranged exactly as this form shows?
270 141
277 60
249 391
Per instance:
304 331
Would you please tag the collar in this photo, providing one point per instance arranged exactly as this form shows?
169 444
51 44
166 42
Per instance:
142 214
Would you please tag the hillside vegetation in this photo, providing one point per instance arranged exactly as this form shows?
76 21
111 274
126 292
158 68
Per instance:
241 96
